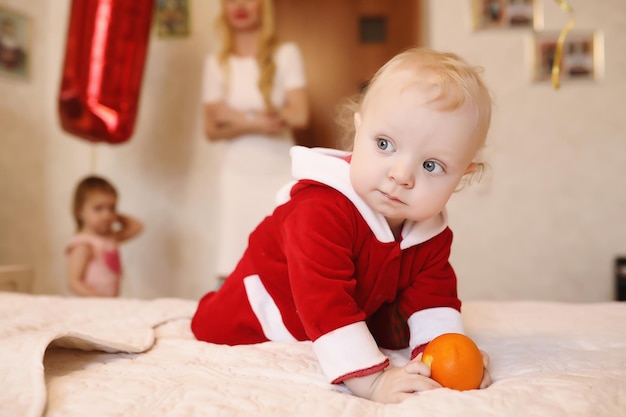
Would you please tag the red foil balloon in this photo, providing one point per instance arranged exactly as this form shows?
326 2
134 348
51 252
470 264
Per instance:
105 53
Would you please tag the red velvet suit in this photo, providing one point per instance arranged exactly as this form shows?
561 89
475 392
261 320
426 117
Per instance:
324 267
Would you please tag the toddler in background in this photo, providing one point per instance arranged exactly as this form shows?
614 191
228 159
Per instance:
94 268
356 258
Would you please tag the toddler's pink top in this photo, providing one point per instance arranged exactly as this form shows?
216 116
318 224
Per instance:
104 271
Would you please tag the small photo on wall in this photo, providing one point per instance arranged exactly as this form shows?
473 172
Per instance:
14 43
582 56
490 14
172 18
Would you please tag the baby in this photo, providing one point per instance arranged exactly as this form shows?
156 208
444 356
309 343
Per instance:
356 258
94 267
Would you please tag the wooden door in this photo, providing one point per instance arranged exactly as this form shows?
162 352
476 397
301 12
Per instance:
343 43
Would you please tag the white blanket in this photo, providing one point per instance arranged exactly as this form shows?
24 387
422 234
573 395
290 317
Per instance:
548 359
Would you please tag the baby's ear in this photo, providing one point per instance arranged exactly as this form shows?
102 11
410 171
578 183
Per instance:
357 120
473 167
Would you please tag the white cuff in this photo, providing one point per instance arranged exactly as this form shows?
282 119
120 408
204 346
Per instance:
347 350
427 324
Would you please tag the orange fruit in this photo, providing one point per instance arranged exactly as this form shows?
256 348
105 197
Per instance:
455 361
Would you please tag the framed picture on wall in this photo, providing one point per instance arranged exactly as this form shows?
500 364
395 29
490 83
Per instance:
172 18
15 54
492 14
582 57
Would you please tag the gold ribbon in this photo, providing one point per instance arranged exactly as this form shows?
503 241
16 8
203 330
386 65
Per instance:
558 53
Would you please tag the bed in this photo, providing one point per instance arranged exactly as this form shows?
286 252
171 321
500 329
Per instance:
111 357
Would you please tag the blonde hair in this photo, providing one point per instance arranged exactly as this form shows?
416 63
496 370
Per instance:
449 77
268 42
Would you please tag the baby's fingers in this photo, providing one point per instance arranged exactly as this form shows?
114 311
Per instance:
416 389
486 379
417 383
486 358
416 366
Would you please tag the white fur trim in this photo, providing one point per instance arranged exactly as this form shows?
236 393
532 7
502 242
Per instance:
284 194
266 311
414 233
425 325
347 350
328 167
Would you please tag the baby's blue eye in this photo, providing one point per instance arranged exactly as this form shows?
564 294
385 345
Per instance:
384 145
433 167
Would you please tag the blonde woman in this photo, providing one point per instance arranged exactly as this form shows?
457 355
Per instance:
254 92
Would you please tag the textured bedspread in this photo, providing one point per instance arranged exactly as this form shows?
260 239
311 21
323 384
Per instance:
77 357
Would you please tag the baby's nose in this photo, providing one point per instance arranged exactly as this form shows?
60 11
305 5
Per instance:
402 175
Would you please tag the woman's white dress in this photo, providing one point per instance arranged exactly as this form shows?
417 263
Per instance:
253 167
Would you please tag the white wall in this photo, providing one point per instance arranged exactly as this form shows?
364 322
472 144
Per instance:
553 217
547 225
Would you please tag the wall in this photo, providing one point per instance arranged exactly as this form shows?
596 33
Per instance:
164 174
333 74
546 225
552 218
23 238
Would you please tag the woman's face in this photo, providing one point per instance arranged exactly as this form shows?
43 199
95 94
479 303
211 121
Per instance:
243 15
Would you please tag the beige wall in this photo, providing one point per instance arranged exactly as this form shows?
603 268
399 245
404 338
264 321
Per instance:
23 226
546 226
553 217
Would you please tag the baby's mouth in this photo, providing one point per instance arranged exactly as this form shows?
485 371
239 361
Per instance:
391 197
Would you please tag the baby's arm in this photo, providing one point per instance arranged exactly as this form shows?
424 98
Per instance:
78 258
394 385
130 227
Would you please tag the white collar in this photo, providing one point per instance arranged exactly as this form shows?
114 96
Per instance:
329 167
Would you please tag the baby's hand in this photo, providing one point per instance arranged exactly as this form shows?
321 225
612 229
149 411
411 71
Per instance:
486 375
397 384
